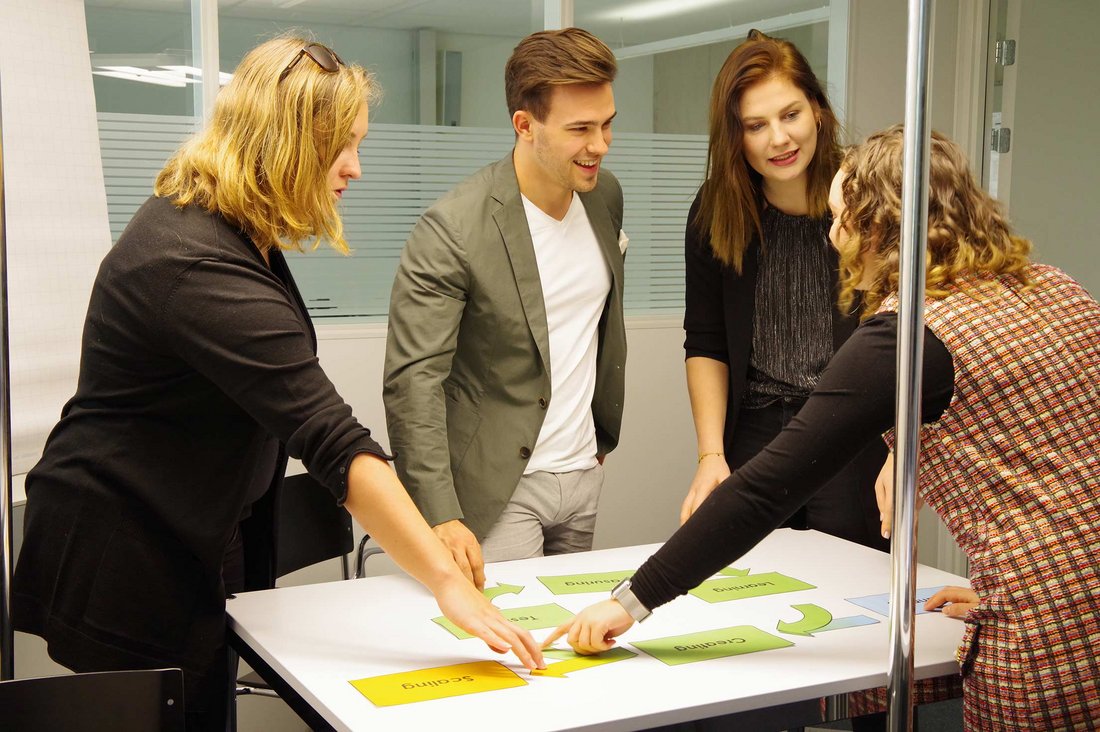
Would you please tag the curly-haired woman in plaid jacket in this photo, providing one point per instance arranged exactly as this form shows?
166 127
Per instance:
1010 442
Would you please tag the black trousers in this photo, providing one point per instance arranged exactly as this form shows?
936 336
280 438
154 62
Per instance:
845 506
209 696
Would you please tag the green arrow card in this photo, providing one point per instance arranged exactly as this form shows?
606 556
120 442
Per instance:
704 646
535 617
753 585
578 583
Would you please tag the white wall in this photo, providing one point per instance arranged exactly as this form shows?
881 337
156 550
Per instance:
646 477
876 66
1054 157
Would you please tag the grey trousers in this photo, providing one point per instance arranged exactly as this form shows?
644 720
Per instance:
550 513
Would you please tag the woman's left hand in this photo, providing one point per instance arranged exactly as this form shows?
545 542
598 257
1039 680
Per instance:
594 628
955 601
884 496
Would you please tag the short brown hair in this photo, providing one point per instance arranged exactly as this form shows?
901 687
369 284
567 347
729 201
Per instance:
552 58
732 197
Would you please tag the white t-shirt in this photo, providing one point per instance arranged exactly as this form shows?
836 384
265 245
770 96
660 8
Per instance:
575 285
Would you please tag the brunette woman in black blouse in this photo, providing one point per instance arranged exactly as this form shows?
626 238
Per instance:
198 376
760 319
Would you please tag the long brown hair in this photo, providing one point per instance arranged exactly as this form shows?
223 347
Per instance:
731 197
967 230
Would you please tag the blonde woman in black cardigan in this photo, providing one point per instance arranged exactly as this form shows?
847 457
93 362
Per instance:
198 377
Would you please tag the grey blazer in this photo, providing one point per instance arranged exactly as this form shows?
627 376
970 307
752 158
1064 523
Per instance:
467 375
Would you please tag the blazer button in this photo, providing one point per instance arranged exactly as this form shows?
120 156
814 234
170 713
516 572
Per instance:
525 452
543 402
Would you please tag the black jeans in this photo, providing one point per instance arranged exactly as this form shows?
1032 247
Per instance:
845 506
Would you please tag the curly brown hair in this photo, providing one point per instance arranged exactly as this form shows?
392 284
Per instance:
968 232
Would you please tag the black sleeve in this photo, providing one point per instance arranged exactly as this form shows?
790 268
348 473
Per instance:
235 325
853 403
704 314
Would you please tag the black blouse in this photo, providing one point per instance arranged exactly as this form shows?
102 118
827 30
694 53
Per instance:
853 403
720 312
794 296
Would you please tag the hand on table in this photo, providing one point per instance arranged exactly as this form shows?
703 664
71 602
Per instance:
594 628
712 470
465 549
466 607
955 601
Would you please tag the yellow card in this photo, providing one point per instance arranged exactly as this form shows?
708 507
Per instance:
437 683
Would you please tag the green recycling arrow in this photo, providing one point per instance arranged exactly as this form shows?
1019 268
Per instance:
733 572
813 618
493 592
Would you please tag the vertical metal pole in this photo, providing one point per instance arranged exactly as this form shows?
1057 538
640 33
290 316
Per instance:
204 48
838 58
914 232
7 549
557 14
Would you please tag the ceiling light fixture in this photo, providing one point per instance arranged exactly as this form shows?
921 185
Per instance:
170 75
653 9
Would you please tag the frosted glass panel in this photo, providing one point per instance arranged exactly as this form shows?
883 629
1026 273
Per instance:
407 167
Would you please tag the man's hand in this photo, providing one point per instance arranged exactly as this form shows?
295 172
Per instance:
464 548
955 601
712 470
593 629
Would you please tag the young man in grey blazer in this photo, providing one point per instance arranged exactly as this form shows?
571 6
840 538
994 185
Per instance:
504 362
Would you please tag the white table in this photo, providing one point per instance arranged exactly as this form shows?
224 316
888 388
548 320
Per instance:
316 638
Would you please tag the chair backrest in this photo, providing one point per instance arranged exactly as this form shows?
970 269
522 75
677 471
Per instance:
106 701
311 527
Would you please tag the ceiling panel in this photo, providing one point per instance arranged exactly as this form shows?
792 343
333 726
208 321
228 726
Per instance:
619 22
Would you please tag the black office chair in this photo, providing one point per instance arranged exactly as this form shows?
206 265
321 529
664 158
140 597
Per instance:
362 554
311 529
106 701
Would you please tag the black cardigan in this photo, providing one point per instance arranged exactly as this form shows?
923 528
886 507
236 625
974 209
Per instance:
719 310
194 355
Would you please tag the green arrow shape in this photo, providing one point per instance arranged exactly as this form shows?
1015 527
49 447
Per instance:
494 592
813 618
576 662
733 572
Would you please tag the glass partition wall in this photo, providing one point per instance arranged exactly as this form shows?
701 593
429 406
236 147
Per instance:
442 115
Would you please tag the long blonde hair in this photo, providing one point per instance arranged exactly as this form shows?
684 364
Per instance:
968 232
263 159
732 196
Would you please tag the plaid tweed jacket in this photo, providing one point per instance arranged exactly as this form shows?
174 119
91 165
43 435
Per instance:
1013 469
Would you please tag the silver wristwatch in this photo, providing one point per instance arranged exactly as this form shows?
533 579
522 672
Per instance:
629 601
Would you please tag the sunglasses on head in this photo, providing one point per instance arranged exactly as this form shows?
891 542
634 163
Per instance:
323 56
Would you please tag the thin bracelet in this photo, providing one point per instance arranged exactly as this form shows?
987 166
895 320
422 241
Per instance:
708 454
